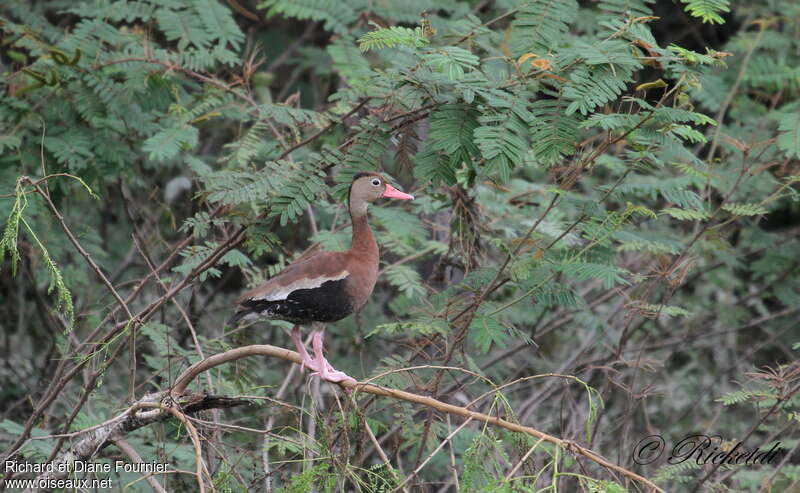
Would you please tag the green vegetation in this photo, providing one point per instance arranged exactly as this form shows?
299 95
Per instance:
604 244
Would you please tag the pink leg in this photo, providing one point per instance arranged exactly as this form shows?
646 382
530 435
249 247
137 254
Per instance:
307 362
325 370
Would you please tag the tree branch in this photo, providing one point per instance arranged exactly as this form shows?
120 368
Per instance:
149 409
177 403
183 381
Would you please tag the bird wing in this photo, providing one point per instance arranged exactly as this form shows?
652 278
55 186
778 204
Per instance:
307 274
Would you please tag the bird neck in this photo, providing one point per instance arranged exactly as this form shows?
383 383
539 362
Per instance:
363 242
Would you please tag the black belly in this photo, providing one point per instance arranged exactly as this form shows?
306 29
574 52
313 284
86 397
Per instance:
327 303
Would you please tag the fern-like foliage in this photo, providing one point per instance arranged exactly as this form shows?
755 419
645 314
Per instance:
772 74
591 87
739 209
389 37
487 331
635 8
165 144
452 61
685 214
709 10
9 242
503 135
601 78
602 486
539 25
789 136
449 145
335 15
366 151
737 397
200 26
350 63
283 189
405 279
552 132
608 274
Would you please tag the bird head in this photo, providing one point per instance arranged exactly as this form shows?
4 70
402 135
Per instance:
369 187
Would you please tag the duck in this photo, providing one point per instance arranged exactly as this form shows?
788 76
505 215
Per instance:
327 286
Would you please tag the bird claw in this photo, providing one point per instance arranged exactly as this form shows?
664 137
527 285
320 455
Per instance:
339 376
309 363
319 364
332 375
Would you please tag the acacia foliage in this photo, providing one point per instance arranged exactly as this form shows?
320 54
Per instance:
596 199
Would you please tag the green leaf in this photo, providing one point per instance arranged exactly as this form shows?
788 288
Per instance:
540 25
449 145
405 278
689 134
159 334
611 52
789 136
168 142
685 214
553 134
399 222
588 87
453 61
609 274
185 28
745 209
390 37
425 327
485 331
610 121
708 10
350 63
736 397
219 22
335 14
503 136
9 142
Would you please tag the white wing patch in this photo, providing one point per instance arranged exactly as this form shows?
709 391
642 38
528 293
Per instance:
283 292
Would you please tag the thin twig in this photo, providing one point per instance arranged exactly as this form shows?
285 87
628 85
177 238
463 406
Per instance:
78 246
380 450
198 451
134 456
522 460
433 452
314 137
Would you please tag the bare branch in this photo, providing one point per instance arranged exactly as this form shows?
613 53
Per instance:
161 407
267 350
177 403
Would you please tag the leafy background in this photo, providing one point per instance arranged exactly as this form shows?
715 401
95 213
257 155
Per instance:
606 227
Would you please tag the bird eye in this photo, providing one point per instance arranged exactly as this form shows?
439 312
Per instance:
376 182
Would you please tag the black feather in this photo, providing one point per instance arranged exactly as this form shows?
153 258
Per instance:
327 303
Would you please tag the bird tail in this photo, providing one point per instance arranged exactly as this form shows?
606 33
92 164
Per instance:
238 316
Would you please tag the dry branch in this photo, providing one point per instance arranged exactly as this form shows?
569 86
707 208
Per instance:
134 456
100 436
149 409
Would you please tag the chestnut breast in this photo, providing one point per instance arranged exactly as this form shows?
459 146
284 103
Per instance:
363 270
